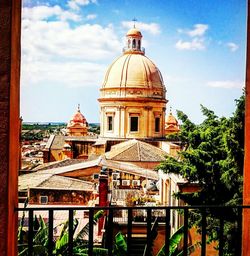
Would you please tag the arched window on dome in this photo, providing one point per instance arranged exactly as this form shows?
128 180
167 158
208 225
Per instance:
129 43
139 44
134 44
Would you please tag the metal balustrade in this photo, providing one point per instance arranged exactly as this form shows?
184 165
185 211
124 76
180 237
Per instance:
129 220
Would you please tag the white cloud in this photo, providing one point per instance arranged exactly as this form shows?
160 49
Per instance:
195 44
197 31
56 53
152 28
69 73
91 16
232 46
44 12
197 34
227 84
76 4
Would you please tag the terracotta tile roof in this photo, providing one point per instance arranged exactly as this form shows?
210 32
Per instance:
56 164
130 168
49 142
51 181
32 179
135 151
55 142
35 179
66 183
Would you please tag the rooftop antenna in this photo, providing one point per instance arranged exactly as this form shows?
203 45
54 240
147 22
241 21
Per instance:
134 20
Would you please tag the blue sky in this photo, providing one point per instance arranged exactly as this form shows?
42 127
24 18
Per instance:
67 46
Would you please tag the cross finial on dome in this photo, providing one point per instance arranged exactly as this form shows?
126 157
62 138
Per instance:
134 20
170 109
78 107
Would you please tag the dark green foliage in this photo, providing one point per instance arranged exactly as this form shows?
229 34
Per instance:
120 245
40 240
174 244
213 158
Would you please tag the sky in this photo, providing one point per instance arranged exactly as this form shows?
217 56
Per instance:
67 46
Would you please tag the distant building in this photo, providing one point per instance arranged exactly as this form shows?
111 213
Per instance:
78 125
171 125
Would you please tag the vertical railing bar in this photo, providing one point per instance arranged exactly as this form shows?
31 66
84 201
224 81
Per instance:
109 233
91 231
30 236
221 239
70 243
239 230
129 230
149 217
185 239
50 243
167 231
204 231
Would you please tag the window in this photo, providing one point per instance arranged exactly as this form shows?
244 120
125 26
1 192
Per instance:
133 44
96 176
157 124
116 183
110 123
115 176
134 123
43 199
136 183
125 182
139 44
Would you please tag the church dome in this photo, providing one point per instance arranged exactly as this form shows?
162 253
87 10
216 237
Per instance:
133 70
171 119
134 32
78 125
171 125
77 118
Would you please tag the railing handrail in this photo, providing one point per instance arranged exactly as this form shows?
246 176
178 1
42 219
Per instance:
65 208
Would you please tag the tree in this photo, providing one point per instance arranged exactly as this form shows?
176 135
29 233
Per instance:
212 156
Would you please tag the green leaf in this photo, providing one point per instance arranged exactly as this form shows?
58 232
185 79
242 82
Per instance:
85 230
120 247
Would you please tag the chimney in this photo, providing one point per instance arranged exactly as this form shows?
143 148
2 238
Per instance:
103 195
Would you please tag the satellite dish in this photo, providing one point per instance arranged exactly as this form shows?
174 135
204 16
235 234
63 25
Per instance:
149 185
146 183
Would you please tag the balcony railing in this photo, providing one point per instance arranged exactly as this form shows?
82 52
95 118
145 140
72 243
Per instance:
166 217
126 49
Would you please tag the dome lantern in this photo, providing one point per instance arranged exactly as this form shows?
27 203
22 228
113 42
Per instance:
133 42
